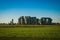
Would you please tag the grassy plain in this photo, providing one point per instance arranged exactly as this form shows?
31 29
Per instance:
30 31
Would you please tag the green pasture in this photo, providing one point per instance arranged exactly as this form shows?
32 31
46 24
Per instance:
47 31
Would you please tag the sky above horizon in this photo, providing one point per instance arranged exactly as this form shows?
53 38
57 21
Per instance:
13 9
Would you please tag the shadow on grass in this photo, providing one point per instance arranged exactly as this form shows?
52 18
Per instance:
27 38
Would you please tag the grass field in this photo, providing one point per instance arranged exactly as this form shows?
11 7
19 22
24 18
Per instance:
23 33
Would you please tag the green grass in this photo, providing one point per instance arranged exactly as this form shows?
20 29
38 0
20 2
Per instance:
46 31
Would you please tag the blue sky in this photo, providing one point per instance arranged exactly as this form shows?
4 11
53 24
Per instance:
13 9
